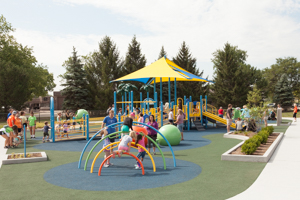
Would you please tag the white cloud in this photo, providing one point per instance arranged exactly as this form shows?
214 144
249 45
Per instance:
265 29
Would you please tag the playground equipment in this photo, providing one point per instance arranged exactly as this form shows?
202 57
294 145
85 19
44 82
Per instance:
80 113
171 133
117 134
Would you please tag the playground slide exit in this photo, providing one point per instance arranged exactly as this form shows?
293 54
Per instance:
217 118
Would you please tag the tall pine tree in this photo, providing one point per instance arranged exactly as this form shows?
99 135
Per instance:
232 76
162 53
75 91
103 66
283 93
134 61
185 60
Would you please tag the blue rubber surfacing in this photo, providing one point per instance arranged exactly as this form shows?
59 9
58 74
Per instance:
122 175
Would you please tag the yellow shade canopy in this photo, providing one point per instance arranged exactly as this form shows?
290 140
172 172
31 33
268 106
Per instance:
162 68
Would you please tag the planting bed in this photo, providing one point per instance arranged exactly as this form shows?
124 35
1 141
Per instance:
16 158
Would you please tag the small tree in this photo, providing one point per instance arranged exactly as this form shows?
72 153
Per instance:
283 94
254 97
75 84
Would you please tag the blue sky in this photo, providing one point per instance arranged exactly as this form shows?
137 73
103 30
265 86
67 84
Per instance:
266 29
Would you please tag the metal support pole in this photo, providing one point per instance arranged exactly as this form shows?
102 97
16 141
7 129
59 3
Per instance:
131 101
83 124
206 110
184 100
190 98
175 95
161 98
155 99
201 105
122 104
188 116
25 141
154 91
115 103
161 115
148 107
52 119
125 103
169 90
87 127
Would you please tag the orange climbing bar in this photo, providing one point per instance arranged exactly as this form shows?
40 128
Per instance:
100 168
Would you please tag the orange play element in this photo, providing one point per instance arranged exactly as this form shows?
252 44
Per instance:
143 130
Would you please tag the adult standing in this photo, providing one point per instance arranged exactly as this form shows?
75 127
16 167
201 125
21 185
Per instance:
179 122
24 120
9 113
108 120
229 117
67 115
12 119
32 124
221 112
171 116
152 133
295 112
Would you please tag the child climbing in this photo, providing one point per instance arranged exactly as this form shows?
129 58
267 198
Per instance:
140 140
106 142
125 144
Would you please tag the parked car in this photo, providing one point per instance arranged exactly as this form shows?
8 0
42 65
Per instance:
271 105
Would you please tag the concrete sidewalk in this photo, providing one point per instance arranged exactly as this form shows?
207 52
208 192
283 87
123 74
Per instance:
280 179
2 150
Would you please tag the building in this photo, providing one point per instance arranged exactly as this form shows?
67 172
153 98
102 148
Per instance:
43 103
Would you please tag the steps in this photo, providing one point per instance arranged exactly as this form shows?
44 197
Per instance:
198 126
217 118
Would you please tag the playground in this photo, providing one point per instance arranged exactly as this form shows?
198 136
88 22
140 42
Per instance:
189 169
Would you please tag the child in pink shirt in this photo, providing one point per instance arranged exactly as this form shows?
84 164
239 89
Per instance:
140 140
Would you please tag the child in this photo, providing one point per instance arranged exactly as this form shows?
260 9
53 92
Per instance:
140 140
18 122
32 124
24 120
125 144
141 119
106 142
46 132
14 136
239 123
171 116
74 120
66 129
5 133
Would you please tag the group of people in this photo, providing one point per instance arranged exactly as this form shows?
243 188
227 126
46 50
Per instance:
63 127
13 131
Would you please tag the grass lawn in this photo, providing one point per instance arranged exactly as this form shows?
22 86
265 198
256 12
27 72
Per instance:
218 179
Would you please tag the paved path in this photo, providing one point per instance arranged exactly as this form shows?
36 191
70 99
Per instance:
2 150
280 179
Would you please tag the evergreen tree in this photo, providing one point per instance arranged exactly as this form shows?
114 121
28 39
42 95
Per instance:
232 76
162 53
134 61
103 66
185 60
75 91
283 93
254 97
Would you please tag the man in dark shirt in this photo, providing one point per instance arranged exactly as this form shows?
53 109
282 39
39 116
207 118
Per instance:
229 117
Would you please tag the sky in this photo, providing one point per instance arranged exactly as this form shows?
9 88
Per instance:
267 29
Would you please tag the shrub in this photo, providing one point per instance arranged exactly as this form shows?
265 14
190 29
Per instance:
249 147
264 135
256 140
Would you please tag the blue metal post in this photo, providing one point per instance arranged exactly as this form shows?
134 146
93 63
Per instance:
188 116
206 109
24 141
162 114
169 90
52 119
125 103
154 91
161 98
175 95
115 103
122 104
83 124
87 127
190 98
148 101
201 105
184 100
155 99
141 99
131 101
